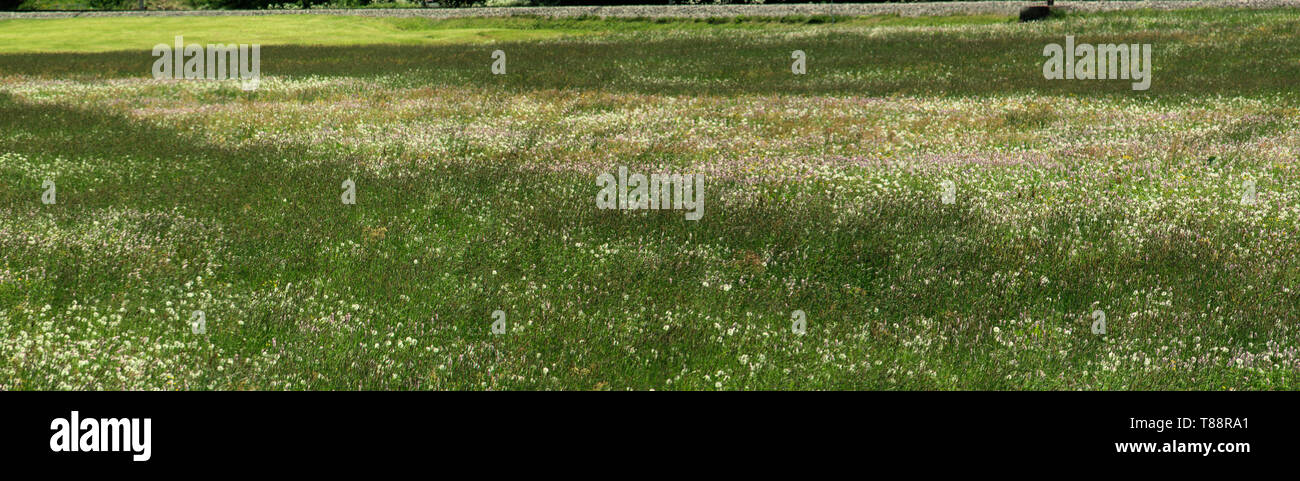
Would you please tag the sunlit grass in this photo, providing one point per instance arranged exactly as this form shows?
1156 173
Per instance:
105 34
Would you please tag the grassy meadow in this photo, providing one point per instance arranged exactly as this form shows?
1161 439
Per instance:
476 192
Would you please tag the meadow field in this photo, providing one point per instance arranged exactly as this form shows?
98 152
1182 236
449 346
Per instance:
1173 211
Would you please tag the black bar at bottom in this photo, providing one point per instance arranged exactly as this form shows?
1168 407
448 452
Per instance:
322 431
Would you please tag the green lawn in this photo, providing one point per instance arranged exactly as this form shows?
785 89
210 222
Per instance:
105 34
476 192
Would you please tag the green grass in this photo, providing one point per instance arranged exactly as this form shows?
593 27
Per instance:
106 34
476 193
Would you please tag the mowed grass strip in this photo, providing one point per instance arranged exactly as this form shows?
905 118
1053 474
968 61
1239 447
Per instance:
109 34
103 34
